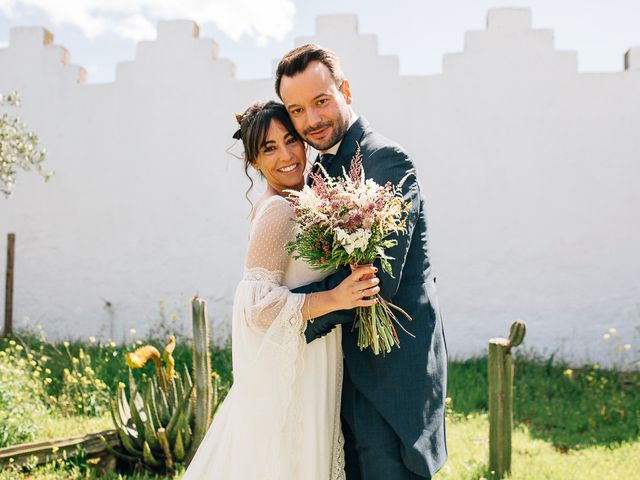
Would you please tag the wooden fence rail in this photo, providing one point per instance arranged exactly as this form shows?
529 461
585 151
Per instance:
44 451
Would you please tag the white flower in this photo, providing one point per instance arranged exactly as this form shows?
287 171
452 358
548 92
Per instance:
309 200
345 240
372 186
360 238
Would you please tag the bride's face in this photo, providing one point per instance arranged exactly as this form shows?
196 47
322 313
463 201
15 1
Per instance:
282 158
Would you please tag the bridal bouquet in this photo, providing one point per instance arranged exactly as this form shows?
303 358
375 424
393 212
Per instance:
347 221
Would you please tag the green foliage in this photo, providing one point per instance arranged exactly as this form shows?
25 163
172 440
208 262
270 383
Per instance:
590 406
572 408
106 358
22 410
83 392
18 147
79 466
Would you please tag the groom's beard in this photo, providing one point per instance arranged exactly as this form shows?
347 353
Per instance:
338 131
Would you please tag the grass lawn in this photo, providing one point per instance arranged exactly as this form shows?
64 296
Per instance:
57 426
581 423
533 459
468 444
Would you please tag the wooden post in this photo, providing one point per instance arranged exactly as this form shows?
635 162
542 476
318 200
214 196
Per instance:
8 290
501 399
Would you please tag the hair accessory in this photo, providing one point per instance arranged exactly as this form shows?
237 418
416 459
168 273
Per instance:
238 133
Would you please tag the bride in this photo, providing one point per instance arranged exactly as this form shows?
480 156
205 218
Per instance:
281 418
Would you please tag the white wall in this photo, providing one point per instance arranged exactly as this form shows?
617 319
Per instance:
530 170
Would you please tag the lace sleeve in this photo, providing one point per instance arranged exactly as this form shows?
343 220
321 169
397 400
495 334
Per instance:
266 263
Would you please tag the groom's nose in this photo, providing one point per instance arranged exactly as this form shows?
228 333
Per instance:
313 118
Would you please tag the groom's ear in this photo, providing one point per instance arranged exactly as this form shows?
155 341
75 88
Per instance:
345 88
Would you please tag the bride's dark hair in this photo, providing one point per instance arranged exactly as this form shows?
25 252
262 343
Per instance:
254 125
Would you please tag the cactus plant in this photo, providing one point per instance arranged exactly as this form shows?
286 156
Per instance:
165 417
501 398
202 374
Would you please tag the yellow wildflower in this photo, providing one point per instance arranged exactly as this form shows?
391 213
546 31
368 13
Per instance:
138 358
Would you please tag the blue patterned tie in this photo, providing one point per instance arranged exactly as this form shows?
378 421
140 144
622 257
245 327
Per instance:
323 159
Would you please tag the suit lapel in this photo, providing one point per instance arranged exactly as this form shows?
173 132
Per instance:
347 149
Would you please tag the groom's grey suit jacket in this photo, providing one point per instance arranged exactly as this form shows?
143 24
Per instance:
408 385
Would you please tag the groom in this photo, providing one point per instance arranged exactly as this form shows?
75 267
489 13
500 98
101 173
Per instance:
392 406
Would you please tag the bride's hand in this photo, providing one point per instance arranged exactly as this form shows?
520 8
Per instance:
352 290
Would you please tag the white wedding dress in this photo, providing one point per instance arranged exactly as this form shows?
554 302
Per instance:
281 418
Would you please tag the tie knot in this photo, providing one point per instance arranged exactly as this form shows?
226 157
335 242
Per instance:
326 157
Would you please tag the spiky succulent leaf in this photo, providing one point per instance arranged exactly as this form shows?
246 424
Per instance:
148 457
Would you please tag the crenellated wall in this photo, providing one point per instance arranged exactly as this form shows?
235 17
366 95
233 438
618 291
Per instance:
529 167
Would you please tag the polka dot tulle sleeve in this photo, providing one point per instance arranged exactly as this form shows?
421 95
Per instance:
266 262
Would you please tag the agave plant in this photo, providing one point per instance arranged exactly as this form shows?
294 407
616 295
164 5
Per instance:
163 419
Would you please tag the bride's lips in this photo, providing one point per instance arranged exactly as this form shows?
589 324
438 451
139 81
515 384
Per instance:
293 170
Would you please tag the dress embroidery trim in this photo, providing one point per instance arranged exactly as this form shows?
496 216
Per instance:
259 274
338 461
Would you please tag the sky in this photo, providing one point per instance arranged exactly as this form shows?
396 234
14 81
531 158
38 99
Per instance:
255 33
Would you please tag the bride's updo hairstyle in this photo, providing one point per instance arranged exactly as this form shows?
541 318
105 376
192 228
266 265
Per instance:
254 125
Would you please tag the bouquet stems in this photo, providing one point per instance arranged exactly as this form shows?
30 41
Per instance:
375 326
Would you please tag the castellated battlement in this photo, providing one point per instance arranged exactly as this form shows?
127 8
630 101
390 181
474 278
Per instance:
31 51
509 43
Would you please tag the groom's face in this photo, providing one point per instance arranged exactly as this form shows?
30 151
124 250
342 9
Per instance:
317 106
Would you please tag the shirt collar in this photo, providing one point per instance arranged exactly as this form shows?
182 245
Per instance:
333 150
